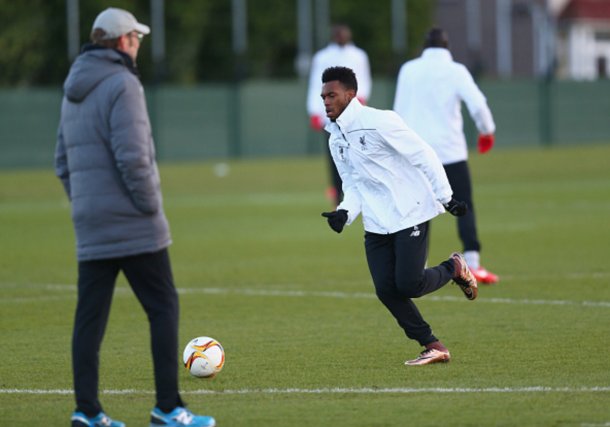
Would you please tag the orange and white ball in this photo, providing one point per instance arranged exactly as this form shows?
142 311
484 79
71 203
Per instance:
203 357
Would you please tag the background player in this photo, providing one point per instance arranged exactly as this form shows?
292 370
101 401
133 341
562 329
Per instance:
428 98
341 51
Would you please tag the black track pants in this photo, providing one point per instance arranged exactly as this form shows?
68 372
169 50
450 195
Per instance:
459 179
150 277
396 262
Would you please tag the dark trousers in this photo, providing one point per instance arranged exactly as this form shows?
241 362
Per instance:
459 179
396 262
150 277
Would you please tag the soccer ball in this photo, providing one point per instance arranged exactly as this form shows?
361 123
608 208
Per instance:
203 357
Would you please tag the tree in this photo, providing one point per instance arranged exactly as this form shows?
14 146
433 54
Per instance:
33 37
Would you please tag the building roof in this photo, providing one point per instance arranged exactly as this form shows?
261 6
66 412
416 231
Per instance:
586 9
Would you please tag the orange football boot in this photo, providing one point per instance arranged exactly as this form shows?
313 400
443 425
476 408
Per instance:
484 276
429 356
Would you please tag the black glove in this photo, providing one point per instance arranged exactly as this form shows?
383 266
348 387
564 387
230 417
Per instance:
456 208
336 219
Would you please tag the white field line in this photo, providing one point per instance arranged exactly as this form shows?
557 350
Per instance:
123 291
373 296
570 276
340 390
209 201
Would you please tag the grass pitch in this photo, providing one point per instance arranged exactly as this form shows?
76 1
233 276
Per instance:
292 302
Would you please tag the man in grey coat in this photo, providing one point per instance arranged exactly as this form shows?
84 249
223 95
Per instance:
105 158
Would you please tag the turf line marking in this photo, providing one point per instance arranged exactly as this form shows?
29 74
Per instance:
338 390
567 276
123 291
373 296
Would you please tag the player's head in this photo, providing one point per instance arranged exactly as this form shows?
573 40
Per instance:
339 87
118 29
436 37
341 34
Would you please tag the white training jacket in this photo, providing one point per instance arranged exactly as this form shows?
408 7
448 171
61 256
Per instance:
334 55
428 98
389 173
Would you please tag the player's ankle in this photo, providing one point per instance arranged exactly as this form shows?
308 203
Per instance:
437 345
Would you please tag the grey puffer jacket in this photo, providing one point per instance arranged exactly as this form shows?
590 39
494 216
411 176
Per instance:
105 158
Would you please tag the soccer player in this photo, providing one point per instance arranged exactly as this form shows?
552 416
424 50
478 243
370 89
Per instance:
105 158
428 98
341 51
398 183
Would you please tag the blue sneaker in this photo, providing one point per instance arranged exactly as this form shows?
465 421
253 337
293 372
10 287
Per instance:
100 420
179 417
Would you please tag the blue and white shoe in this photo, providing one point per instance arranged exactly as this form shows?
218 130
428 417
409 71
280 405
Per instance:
100 420
179 417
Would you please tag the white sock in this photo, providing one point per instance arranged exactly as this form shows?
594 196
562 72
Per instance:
473 259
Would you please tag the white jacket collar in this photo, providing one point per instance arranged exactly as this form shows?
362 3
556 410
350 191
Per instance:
347 117
437 53
337 46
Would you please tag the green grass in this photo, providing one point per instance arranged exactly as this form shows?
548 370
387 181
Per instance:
296 308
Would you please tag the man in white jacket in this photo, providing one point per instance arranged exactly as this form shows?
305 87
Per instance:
428 98
340 52
398 183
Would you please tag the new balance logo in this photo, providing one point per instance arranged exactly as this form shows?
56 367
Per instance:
341 154
415 232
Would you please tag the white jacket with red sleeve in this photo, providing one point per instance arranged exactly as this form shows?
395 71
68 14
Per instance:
429 93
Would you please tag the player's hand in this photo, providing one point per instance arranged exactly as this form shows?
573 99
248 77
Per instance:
486 142
456 208
316 123
336 219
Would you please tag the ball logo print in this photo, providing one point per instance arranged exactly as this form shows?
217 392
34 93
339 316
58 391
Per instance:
203 357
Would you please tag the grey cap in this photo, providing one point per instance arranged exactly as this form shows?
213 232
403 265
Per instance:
116 22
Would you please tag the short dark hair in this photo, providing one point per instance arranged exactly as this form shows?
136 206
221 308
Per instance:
436 37
97 37
343 75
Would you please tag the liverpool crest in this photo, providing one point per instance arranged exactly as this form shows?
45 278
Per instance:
362 143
